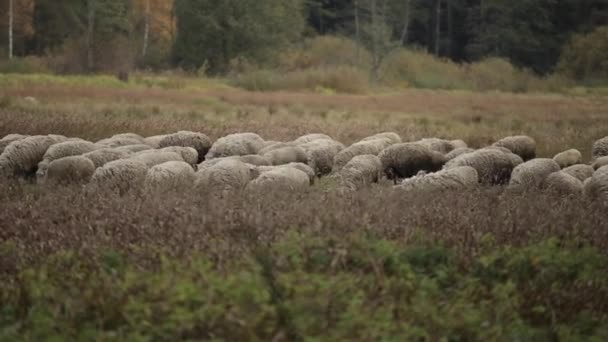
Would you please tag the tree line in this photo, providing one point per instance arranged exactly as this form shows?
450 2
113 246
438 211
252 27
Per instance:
97 34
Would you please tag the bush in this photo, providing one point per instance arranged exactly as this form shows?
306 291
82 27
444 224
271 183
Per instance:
25 65
325 51
585 57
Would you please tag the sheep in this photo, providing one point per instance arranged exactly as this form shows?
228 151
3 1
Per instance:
580 171
568 158
311 137
493 167
105 155
394 138
155 157
239 144
287 179
563 183
253 159
5 141
300 166
360 171
20 158
275 146
321 154
119 140
61 150
600 162
128 136
286 155
226 175
458 143
532 173
154 141
498 148
199 141
188 154
438 145
69 170
457 178
458 151
596 187
404 160
364 147
173 175
522 145
600 148
134 148
120 176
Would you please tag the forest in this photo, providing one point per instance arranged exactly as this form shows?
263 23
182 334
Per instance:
72 36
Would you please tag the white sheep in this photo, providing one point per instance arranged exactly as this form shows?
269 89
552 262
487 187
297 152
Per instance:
188 154
393 137
311 137
275 145
321 154
532 173
600 162
600 148
579 171
69 170
239 144
155 157
121 176
361 171
596 187
563 183
170 176
405 160
280 179
286 155
372 146
493 166
226 175
457 178
131 149
458 151
123 139
20 158
199 141
568 158
61 150
300 166
438 145
154 141
103 156
522 145
6 140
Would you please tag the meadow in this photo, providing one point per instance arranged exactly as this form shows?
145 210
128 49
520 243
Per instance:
319 265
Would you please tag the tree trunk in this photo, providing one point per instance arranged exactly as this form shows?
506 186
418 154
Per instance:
437 26
357 32
146 29
450 44
375 32
90 29
10 28
406 24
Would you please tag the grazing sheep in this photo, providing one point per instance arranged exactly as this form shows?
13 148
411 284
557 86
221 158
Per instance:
438 145
275 146
239 144
134 148
188 154
596 187
600 162
21 157
407 159
311 137
580 171
394 138
128 136
493 166
61 150
5 141
154 141
105 155
563 183
498 148
458 143
119 140
226 175
69 170
155 157
173 175
532 173
279 179
199 141
321 154
522 145
600 148
360 171
568 158
374 147
300 166
120 176
252 159
458 151
286 155
457 178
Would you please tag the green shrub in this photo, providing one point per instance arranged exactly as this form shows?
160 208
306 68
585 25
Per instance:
585 57
325 51
25 65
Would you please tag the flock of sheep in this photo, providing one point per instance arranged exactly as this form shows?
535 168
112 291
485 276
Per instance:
245 161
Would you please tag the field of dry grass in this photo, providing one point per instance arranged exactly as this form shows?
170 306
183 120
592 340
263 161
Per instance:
479 265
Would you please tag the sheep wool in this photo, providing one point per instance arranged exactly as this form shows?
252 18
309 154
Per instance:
600 162
596 187
170 176
226 175
522 145
580 171
275 146
457 178
199 141
188 154
563 183
393 137
407 159
120 176
287 179
373 146
493 166
134 148
69 170
532 173
154 141
239 144
458 151
118 141
20 158
361 171
5 141
600 148
286 155
300 166
321 154
105 155
61 150
568 158
311 137
438 145
155 157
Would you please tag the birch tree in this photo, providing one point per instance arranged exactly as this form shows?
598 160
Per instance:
11 14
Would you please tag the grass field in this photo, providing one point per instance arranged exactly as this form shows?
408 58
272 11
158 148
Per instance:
319 265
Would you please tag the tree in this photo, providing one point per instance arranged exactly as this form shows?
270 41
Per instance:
217 33
10 29
585 57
